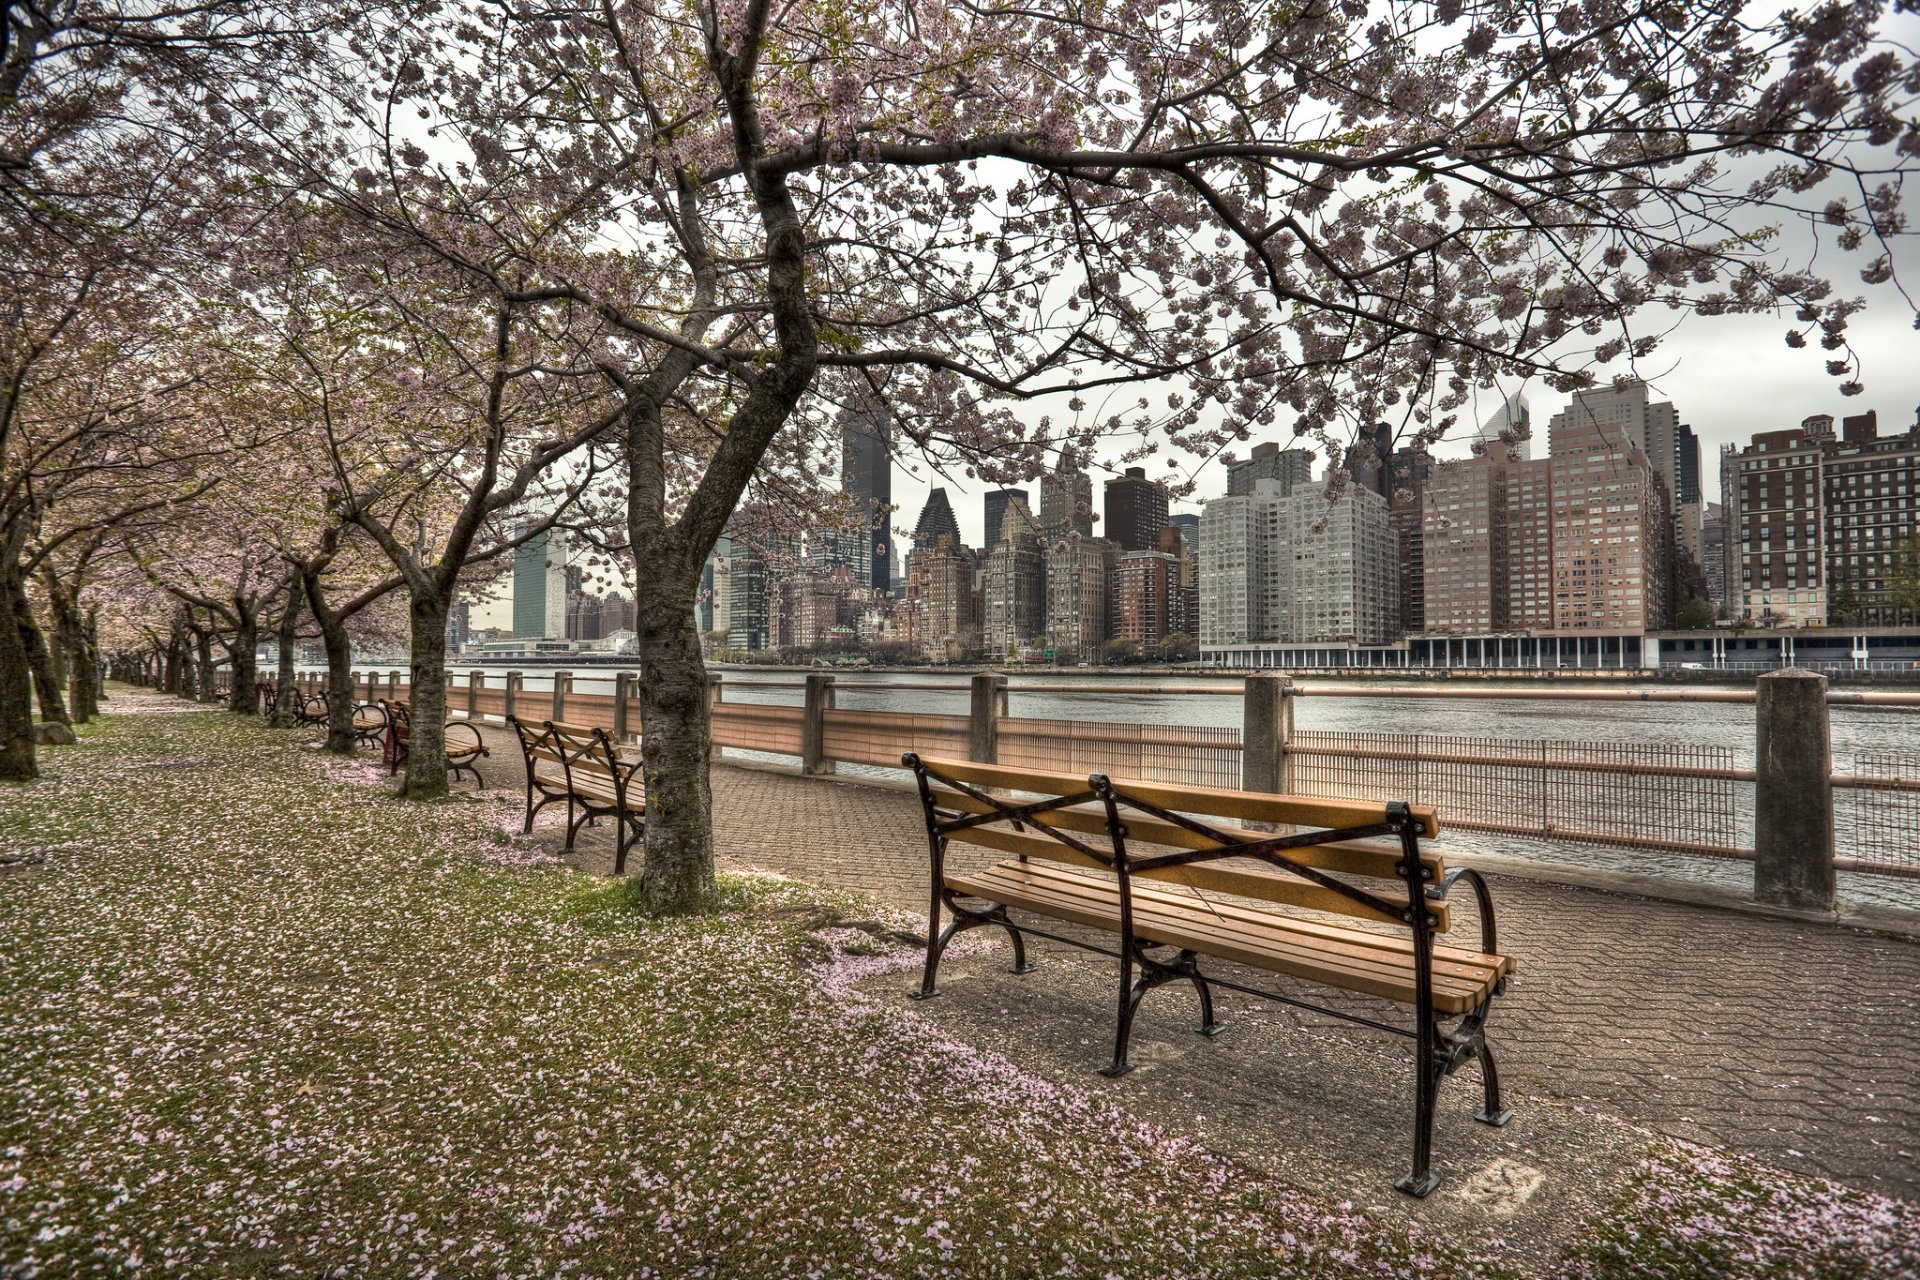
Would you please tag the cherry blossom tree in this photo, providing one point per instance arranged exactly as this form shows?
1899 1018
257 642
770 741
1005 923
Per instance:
1150 226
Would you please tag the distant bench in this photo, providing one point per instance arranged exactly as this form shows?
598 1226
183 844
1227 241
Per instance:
596 779
463 744
1097 852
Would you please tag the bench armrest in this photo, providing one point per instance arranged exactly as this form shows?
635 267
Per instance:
1483 900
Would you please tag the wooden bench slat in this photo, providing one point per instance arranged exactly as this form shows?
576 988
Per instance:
1351 959
1244 806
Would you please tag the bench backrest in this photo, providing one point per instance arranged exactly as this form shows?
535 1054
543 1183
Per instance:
578 751
1166 832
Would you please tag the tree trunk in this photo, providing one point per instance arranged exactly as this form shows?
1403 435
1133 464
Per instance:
242 698
427 697
333 635
85 690
174 679
16 704
676 747
53 709
286 678
203 662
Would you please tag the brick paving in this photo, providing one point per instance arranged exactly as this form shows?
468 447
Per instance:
1794 1043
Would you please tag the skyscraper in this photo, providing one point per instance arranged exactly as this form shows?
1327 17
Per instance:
866 472
996 513
540 587
1367 457
1015 601
1066 500
1136 510
936 519
1514 418
1291 467
1296 568
1079 591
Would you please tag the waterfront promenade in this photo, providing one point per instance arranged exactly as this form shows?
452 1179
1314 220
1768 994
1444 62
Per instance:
1793 1042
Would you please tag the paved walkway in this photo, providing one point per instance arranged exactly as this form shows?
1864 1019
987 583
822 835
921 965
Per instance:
1795 1043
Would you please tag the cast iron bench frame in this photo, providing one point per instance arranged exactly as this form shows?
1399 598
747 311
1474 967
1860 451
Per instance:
593 778
1047 825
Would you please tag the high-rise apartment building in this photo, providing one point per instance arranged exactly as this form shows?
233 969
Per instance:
1296 568
1530 531
950 626
866 472
1189 526
1015 597
1713 556
1814 522
1464 539
1612 534
1136 510
1079 591
1066 501
1577 542
1237 585
1156 593
748 614
540 587
1775 546
997 501
1624 414
1872 506
1291 467
1408 471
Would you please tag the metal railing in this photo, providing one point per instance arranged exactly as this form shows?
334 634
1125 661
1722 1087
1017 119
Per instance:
1685 800
1189 755
1664 798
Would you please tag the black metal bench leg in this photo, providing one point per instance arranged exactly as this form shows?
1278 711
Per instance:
1130 996
936 946
1492 1112
1020 964
1430 1068
1208 1027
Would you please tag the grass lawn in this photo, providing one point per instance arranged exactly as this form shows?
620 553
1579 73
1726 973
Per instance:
258 1018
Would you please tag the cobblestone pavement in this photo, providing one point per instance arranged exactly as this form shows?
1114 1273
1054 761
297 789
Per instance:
1795 1043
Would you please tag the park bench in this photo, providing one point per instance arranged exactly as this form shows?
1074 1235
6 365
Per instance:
596 779
1147 863
464 746
369 723
310 711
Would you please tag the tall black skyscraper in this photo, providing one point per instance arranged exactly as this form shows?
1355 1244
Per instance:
866 471
997 500
936 518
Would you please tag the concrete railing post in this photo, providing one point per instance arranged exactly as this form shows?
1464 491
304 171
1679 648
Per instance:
622 690
475 681
1266 727
512 693
1793 792
393 686
562 686
813 732
988 710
